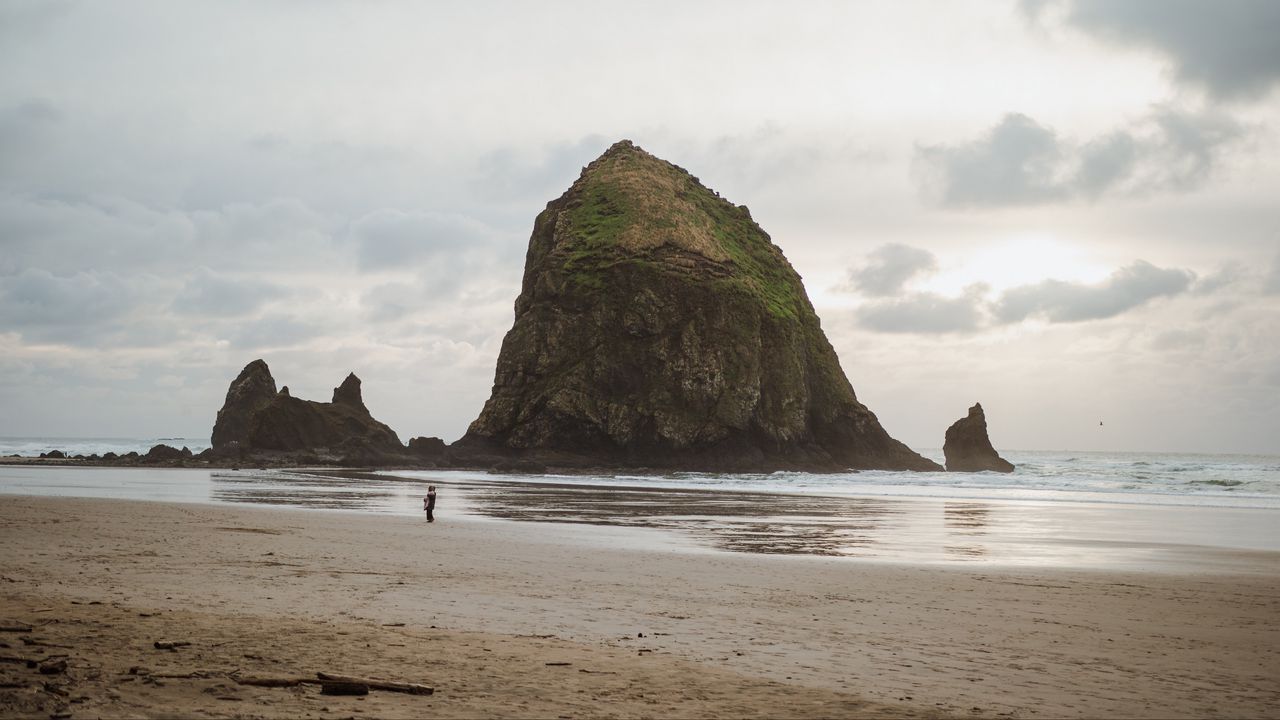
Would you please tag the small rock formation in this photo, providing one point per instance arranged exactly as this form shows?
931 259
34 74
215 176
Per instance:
165 453
967 447
427 446
658 326
256 417
348 393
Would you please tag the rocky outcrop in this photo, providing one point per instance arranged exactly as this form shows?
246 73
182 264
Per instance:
658 326
348 393
967 447
252 390
427 447
166 453
256 417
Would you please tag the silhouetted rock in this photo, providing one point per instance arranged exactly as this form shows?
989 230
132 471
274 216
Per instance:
348 393
967 447
428 447
659 326
164 453
251 391
255 417
54 455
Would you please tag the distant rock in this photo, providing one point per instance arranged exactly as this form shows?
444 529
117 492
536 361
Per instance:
256 417
659 326
251 391
427 447
164 453
967 447
348 393
54 455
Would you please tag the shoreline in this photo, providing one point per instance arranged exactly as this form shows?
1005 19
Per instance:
906 529
1038 641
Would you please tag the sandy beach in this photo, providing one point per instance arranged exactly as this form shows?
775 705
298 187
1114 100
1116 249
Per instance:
487 612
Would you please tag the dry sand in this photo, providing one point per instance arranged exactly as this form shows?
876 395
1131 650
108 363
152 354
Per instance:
262 592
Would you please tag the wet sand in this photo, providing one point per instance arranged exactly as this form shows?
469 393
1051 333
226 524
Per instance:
724 633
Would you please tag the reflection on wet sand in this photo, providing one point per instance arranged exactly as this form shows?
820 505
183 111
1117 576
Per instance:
737 521
965 521
305 490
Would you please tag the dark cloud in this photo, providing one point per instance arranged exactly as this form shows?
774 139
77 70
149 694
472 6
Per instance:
389 239
925 313
1059 301
889 267
84 309
272 332
1013 164
1228 48
207 293
1020 162
37 297
511 173
1271 284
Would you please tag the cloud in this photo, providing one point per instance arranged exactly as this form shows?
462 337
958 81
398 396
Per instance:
1227 275
207 293
1020 162
926 313
1062 302
1227 48
1271 284
1013 164
37 297
389 239
889 267
83 309
273 332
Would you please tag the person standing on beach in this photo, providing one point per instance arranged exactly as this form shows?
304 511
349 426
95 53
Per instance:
429 503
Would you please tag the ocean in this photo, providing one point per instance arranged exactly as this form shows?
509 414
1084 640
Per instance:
34 446
1249 481
1084 509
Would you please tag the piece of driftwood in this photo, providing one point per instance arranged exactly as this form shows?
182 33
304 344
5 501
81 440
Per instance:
40 643
410 688
343 688
171 644
14 627
323 679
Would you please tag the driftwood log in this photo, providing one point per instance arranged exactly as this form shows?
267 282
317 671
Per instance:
324 679
411 688
343 688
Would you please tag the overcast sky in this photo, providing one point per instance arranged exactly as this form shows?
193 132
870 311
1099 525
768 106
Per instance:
1067 210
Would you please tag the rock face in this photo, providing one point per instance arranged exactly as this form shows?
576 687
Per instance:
658 326
967 447
256 417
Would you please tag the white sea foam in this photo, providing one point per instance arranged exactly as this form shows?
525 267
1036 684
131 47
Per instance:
1139 478
34 446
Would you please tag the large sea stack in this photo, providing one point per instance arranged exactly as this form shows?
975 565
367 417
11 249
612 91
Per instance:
658 326
967 447
257 417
